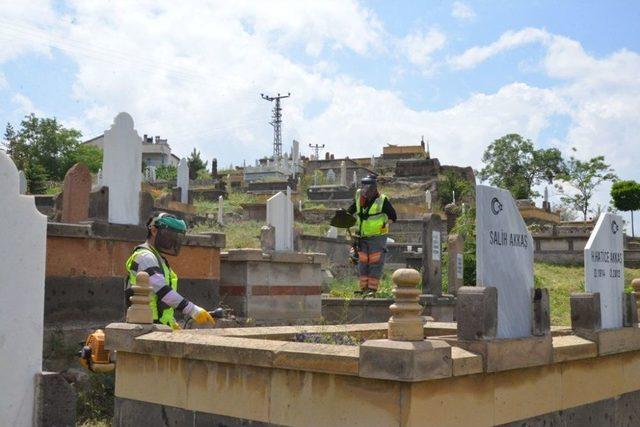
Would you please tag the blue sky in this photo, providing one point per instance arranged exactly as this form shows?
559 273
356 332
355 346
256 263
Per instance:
362 74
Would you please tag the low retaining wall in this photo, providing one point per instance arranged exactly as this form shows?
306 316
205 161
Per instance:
84 283
257 376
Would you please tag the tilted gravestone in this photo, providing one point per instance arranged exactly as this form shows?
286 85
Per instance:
280 216
432 255
75 199
22 270
121 170
183 180
604 268
504 259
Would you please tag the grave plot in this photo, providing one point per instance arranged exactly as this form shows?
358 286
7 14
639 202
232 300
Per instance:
401 372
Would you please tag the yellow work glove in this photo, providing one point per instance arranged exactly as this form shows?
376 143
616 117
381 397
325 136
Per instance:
200 315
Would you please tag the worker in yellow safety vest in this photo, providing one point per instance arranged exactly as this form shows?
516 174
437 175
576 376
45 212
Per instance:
373 211
165 234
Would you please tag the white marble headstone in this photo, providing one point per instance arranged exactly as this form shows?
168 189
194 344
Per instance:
280 216
604 267
355 178
332 233
183 180
220 210
22 271
331 176
427 197
504 257
23 182
121 170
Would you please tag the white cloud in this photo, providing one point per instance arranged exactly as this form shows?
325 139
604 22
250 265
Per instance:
195 78
462 11
24 105
418 46
507 41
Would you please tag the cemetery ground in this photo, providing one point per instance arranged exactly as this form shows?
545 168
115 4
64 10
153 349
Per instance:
561 280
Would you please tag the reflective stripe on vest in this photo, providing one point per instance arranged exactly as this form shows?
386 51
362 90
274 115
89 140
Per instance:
375 224
161 311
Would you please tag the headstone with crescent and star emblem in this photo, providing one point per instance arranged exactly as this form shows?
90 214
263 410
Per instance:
604 268
504 257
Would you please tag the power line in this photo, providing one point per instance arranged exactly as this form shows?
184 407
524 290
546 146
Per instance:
316 149
276 122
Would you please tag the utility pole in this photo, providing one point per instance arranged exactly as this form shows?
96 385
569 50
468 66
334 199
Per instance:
316 149
276 122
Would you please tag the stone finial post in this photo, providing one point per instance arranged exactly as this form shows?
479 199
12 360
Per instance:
140 311
406 323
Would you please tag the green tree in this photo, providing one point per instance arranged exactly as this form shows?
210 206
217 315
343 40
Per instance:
511 162
42 142
582 178
195 163
90 155
466 227
450 183
166 173
625 196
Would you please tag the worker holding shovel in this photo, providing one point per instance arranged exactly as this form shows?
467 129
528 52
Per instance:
372 212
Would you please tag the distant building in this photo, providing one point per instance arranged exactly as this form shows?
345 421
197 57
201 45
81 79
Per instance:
155 151
405 151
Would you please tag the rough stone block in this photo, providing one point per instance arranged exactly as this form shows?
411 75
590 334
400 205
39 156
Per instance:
477 312
55 401
541 313
99 204
405 360
571 347
585 311
511 353
630 310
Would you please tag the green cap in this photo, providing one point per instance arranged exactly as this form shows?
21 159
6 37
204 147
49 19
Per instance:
165 220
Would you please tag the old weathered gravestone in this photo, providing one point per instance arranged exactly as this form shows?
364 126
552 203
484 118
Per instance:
504 258
183 180
280 216
331 176
121 170
76 189
431 255
604 267
455 248
343 173
427 198
22 266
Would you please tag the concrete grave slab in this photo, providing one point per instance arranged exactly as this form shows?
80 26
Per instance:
604 267
504 253
121 170
22 273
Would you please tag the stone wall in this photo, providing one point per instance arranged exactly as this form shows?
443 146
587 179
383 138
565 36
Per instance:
243 376
428 168
84 285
